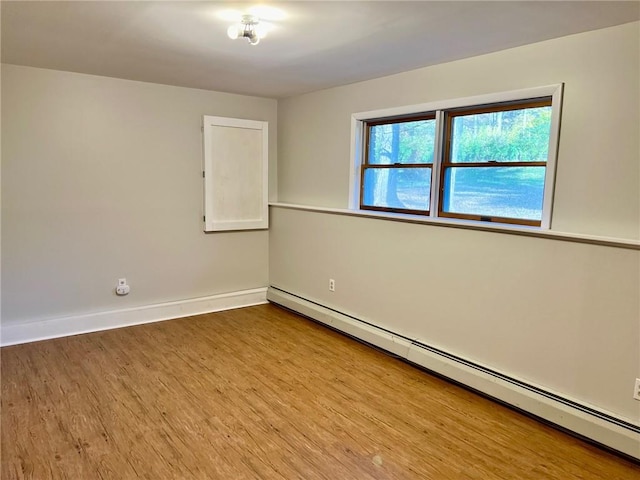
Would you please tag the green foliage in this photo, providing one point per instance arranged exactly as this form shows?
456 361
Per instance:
406 142
507 136
511 136
520 135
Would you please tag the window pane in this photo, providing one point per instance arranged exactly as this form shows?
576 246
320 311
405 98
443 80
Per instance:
507 136
405 142
408 188
511 192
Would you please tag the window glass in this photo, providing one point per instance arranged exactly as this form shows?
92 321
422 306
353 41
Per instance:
397 188
508 192
486 161
502 136
402 142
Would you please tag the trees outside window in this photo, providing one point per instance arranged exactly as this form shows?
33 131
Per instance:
492 164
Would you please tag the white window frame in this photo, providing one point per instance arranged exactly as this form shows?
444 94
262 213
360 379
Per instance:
358 126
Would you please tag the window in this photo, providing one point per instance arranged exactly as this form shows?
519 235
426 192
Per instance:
494 162
488 158
398 164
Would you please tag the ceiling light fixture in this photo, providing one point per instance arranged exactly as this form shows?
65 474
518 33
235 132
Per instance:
249 28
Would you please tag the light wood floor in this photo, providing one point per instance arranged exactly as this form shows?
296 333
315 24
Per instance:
260 393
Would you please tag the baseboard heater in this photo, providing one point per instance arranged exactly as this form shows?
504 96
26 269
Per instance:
584 421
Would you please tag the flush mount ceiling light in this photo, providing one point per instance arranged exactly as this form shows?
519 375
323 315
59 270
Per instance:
249 28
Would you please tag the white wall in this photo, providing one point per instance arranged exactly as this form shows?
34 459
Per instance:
598 175
564 316
101 179
559 315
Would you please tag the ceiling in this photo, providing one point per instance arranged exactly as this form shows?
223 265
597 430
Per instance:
316 45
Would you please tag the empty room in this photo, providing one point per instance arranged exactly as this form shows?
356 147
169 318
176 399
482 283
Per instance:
320 240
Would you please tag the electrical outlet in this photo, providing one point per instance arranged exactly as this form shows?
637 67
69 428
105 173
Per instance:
122 289
332 285
636 390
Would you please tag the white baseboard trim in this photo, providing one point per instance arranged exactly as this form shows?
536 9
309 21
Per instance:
600 427
13 334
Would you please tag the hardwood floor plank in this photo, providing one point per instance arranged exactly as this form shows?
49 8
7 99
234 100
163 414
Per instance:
261 393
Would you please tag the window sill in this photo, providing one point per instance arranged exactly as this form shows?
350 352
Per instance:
471 225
